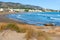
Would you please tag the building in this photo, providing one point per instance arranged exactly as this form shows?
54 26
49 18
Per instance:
18 10
1 9
35 10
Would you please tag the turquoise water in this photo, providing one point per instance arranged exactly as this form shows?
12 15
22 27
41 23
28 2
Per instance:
37 18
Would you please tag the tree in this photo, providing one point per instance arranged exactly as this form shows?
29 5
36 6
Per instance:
26 10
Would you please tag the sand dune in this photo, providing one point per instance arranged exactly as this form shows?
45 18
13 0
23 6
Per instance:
11 35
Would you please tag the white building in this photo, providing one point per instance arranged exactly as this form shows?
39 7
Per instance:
11 10
19 10
35 11
16 10
1 9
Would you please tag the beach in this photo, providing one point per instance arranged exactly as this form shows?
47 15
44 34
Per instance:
3 18
13 35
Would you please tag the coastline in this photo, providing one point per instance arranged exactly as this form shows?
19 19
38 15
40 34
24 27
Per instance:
48 29
4 19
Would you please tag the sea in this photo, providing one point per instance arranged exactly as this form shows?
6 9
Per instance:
37 18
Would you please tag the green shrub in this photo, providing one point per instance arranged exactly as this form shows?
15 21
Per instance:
26 10
12 27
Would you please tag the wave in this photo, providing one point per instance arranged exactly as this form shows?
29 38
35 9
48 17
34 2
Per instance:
54 18
18 16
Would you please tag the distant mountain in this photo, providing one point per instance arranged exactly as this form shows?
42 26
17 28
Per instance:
17 5
22 6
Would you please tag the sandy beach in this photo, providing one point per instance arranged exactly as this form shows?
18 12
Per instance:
3 18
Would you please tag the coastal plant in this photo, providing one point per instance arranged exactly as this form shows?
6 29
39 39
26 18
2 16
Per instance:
12 26
42 36
30 34
2 27
22 30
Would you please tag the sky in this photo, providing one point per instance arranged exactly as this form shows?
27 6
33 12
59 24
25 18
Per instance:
50 4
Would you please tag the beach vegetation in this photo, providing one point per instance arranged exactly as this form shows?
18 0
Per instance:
42 35
38 35
13 27
30 34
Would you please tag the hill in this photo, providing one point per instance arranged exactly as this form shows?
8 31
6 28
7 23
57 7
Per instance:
22 6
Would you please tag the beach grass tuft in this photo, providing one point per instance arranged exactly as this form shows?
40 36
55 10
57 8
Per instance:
13 27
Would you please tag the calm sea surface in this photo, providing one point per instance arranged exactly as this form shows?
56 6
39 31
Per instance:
37 18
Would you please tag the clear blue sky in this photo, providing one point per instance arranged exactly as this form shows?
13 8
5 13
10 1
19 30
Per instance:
51 4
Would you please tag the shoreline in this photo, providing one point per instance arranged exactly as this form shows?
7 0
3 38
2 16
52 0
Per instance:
5 19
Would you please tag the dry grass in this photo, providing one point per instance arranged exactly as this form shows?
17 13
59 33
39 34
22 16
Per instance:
30 34
42 35
30 30
16 26
39 35
12 26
